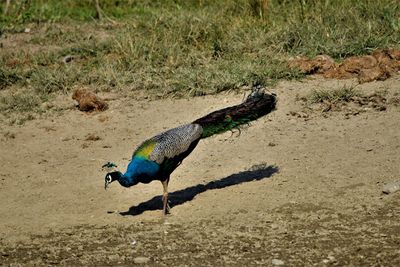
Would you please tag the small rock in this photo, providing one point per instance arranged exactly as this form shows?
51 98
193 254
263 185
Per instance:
27 30
391 187
113 257
67 59
331 258
141 260
274 226
277 262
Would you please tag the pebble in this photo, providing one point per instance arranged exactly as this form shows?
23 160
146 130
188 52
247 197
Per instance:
277 262
68 59
141 260
274 226
113 257
331 258
391 187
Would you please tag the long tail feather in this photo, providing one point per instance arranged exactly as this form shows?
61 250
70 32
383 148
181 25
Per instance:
256 105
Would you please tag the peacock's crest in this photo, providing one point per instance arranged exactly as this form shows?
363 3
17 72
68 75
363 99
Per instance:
109 167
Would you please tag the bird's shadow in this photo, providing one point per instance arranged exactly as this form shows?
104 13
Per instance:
255 173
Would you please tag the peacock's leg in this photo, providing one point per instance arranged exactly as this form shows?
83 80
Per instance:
166 207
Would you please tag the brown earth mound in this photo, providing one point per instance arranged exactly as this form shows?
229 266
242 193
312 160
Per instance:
380 65
88 101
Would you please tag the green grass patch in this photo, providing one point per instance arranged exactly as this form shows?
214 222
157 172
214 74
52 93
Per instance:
343 94
20 102
8 77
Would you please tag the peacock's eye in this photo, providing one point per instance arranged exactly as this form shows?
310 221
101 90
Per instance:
108 178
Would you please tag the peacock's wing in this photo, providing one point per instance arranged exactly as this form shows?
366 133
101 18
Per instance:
172 143
169 144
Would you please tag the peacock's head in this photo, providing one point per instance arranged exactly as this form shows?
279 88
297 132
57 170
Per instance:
111 177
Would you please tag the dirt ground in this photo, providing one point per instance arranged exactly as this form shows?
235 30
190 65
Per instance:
289 190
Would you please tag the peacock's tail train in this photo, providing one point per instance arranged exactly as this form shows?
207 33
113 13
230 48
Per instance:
256 105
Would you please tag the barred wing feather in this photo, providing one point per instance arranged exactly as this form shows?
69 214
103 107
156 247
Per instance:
174 142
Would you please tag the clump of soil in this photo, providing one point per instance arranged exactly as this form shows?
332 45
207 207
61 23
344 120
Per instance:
318 65
88 101
92 137
380 65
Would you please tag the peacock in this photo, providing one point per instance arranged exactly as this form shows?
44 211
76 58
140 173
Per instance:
157 157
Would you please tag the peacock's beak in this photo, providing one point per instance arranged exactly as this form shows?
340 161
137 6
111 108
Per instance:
107 180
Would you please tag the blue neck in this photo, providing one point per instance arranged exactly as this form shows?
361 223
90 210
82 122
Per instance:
126 180
139 170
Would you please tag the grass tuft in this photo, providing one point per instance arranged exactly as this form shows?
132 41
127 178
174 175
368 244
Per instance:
20 102
343 94
8 77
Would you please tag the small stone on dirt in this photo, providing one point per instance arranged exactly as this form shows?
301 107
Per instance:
141 260
113 257
277 262
331 258
68 59
274 226
391 187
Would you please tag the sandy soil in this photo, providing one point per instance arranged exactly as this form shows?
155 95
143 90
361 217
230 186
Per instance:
302 190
